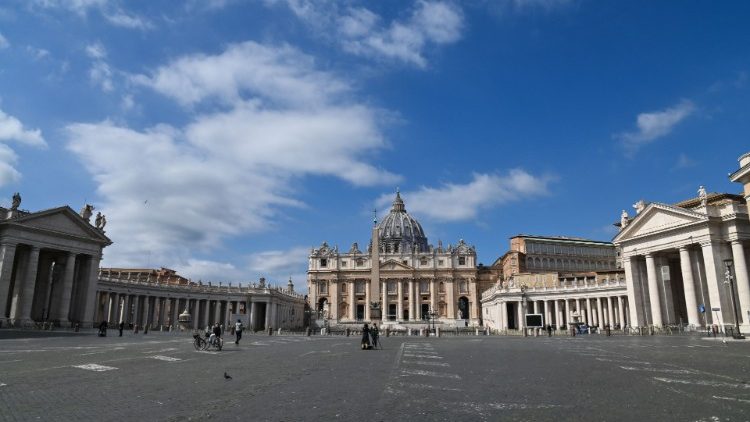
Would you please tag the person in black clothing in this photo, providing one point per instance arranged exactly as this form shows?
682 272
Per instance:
549 330
122 325
366 343
216 333
103 329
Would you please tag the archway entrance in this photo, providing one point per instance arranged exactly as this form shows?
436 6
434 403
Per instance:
360 312
322 306
425 311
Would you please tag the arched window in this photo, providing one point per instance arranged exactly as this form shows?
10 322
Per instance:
441 289
343 288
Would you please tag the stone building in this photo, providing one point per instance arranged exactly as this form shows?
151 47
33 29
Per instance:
399 280
49 261
565 279
679 258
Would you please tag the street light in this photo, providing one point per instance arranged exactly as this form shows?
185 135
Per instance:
432 314
728 280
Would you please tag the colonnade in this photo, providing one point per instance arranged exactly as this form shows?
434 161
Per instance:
689 284
39 283
600 311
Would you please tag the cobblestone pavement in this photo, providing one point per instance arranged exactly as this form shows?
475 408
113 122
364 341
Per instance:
287 378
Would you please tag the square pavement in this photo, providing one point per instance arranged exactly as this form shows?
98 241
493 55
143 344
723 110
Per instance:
158 376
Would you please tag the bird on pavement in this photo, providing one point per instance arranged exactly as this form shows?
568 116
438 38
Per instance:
227 376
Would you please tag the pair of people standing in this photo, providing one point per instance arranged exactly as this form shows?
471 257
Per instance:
370 336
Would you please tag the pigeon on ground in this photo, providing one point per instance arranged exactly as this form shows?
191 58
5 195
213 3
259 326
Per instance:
227 376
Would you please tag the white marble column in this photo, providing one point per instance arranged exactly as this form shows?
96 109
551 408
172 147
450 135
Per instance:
23 310
547 313
620 312
7 256
450 287
62 309
521 320
599 313
631 283
688 284
504 315
558 314
384 295
253 318
433 296
741 279
714 266
400 301
412 300
352 301
92 280
653 291
610 313
217 313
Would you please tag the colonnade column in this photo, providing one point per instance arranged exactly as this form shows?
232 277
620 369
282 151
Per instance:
610 313
504 315
714 276
520 315
7 257
412 300
23 309
620 312
433 296
599 313
558 314
631 287
217 312
400 301
368 298
352 301
691 302
653 291
450 298
743 284
384 295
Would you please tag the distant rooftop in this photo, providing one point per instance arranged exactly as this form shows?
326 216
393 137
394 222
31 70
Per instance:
569 239
711 198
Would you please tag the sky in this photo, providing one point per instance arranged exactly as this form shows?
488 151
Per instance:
226 138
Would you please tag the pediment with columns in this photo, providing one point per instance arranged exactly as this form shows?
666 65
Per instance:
394 265
659 218
62 221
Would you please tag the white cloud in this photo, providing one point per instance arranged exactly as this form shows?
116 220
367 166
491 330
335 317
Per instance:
362 32
460 202
655 124
282 75
180 192
11 129
3 42
109 9
210 271
37 53
683 162
279 262
96 51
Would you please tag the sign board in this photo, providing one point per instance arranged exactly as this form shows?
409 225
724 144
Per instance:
715 309
534 320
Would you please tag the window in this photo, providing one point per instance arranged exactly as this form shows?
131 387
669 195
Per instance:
360 262
343 264
464 287
343 288
359 287
392 287
323 287
323 263
424 287
405 262
461 260
423 261
440 262
442 287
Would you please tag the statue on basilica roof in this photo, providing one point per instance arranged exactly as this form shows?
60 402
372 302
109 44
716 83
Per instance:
16 201
703 195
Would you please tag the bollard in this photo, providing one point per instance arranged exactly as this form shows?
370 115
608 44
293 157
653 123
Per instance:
476 331
279 331
308 331
387 331
437 331
348 331
77 327
427 332
270 331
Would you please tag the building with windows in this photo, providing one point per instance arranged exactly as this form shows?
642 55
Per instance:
565 279
400 279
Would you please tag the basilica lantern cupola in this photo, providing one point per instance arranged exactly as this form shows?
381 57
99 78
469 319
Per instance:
399 232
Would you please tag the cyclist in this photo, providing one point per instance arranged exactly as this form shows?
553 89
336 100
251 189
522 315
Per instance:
215 335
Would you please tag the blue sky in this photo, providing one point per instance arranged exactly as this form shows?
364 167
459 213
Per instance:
225 138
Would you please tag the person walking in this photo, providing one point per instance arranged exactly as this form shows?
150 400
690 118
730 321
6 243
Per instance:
121 326
238 327
549 330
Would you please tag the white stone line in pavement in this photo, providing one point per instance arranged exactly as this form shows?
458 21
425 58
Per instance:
165 358
411 355
95 367
260 343
11 361
703 383
315 351
731 399
426 386
666 371
428 373
423 362
3 384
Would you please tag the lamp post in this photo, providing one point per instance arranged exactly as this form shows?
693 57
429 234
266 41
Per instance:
523 305
728 280
432 314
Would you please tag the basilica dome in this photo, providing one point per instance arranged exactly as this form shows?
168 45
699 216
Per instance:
400 232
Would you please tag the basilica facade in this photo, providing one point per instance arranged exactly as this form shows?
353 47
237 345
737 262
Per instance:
400 278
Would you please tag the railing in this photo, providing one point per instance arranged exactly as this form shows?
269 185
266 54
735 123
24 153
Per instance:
553 289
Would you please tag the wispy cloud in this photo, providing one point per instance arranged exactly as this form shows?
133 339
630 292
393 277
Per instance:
100 72
362 32
461 202
654 125
110 10
12 130
3 42
684 162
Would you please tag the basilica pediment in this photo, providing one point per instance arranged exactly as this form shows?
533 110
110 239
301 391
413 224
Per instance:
392 264
62 221
657 218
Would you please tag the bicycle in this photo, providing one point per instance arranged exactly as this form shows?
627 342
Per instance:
217 344
199 342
